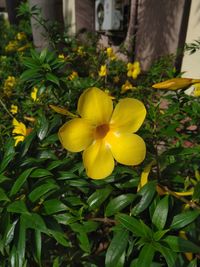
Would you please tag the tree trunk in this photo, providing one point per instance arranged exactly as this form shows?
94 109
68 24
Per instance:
130 36
11 6
51 11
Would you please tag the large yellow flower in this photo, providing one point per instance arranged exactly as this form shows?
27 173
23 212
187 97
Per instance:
104 134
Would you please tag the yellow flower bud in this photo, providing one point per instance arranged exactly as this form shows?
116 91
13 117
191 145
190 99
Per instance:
176 83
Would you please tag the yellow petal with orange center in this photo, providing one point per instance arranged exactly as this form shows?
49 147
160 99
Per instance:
95 105
98 160
128 115
127 149
76 135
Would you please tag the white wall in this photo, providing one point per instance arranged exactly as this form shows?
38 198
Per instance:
191 63
69 15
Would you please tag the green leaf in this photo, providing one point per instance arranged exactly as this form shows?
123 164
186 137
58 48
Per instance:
30 74
43 127
132 224
5 161
38 246
35 221
60 237
160 214
169 255
9 233
38 173
179 244
116 248
54 206
43 55
21 244
52 78
20 181
196 194
183 219
98 197
41 190
17 206
147 193
3 196
146 255
84 242
159 234
119 203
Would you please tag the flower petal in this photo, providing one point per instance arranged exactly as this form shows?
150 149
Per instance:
127 149
76 135
95 105
98 160
128 115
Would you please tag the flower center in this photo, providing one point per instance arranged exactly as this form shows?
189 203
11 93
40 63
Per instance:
101 131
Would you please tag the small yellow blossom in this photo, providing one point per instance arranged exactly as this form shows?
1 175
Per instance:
80 51
103 71
104 134
20 131
14 109
73 75
133 69
34 94
11 46
9 83
22 48
110 54
21 36
61 56
176 83
127 86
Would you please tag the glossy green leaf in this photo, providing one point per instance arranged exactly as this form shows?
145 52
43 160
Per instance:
9 233
146 255
40 173
181 220
169 255
179 244
38 246
17 206
196 194
5 161
52 78
84 242
43 127
41 190
147 193
60 238
160 214
3 196
35 221
98 197
21 244
53 206
119 203
131 224
116 248
20 181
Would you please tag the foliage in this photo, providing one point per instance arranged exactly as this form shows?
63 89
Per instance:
51 213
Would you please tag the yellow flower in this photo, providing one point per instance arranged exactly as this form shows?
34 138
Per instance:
9 83
22 48
20 130
34 94
103 71
20 36
110 54
11 46
133 69
127 86
103 134
196 91
176 83
73 75
61 56
14 109
80 51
